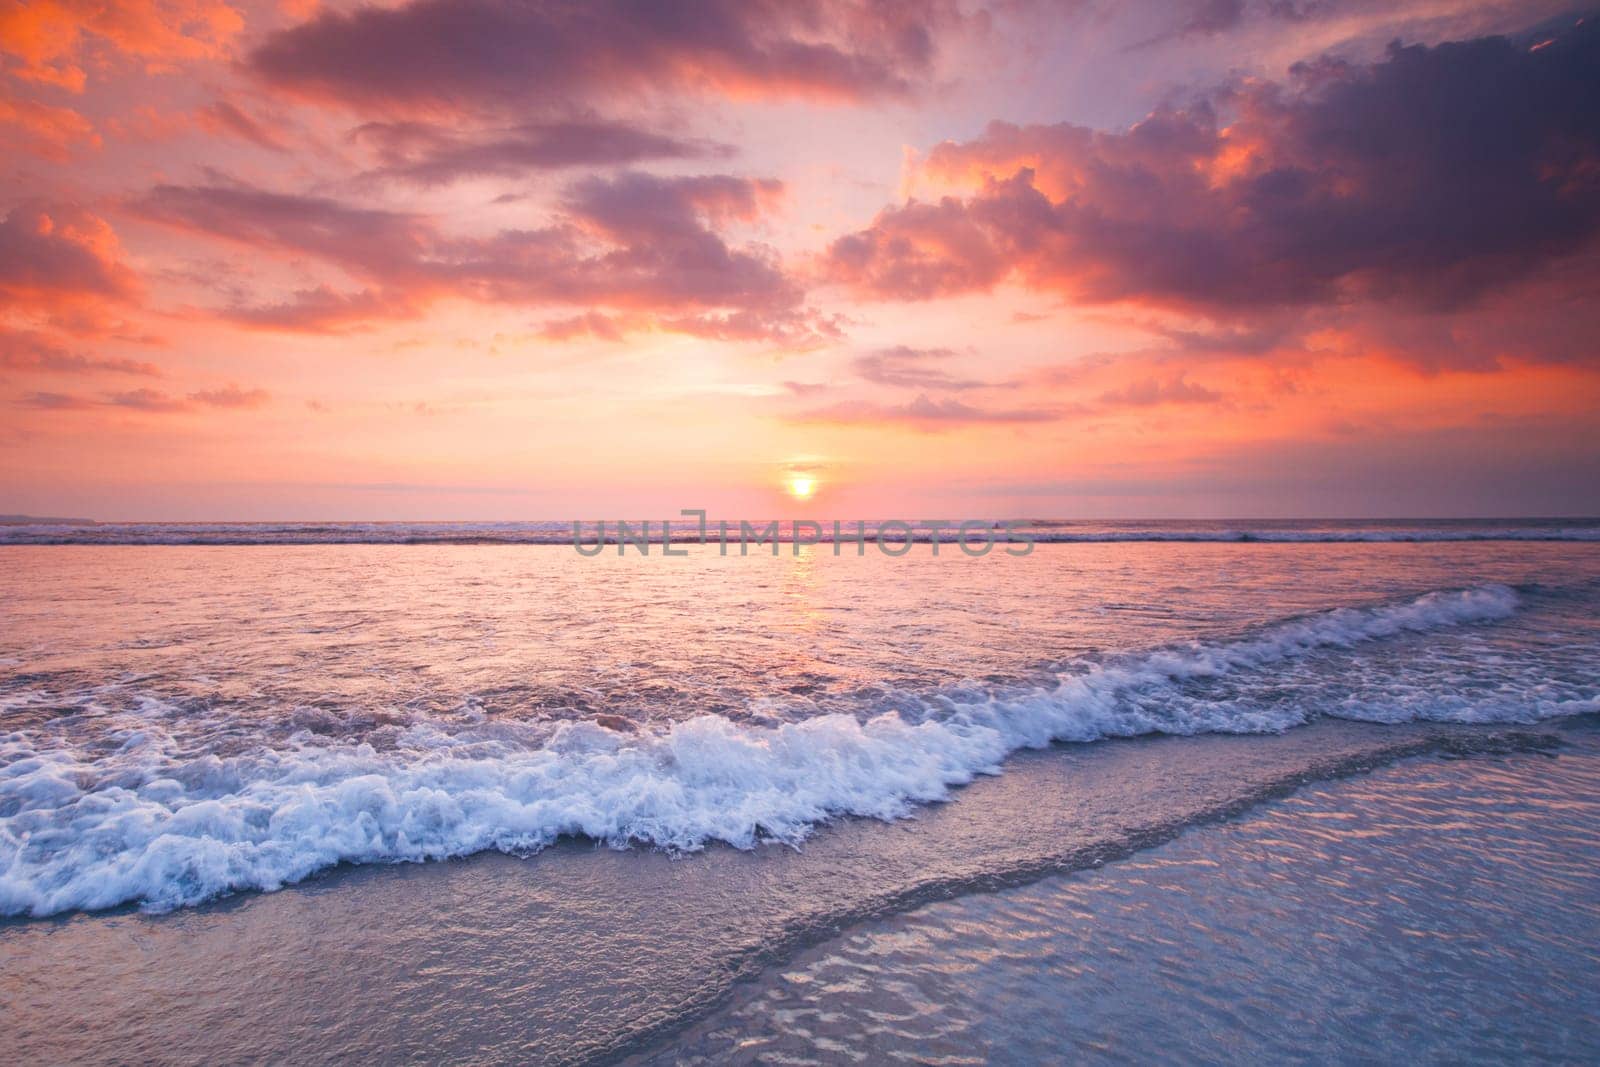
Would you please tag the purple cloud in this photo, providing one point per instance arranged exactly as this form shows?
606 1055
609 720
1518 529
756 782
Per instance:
516 55
1427 179
429 154
632 242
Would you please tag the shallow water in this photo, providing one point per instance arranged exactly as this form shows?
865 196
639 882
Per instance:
186 721
1432 912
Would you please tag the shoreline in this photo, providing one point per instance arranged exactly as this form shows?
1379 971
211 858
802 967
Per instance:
655 942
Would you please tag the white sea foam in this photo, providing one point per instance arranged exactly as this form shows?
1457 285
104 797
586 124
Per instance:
83 829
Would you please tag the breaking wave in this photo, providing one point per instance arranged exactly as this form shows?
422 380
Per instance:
143 821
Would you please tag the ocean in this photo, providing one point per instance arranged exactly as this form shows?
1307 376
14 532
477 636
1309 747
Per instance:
630 804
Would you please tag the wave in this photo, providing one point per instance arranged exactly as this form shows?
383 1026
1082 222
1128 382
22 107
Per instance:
146 823
679 532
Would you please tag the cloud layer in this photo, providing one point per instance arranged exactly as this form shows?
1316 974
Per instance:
1426 179
633 241
511 55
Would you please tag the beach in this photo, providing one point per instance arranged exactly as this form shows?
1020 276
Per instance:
799 532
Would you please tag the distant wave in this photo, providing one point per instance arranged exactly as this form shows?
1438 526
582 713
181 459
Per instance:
561 533
148 822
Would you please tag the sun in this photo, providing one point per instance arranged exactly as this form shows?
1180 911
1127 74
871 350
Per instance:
801 486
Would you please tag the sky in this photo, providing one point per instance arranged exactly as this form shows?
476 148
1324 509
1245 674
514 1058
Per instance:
485 259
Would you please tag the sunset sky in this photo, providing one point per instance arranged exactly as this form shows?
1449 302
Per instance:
465 259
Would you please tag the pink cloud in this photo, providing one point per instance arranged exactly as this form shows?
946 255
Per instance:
25 351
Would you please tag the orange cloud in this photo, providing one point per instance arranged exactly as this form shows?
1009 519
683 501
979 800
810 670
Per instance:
46 131
48 40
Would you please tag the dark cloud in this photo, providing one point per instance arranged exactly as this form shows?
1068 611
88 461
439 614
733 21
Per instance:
634 242
429 154
1428 179
516 55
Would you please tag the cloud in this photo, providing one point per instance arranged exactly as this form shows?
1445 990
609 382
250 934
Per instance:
924 413
45 130
591 325
53 254
225 118
913 368
320 310
153 401
55 401
631 242
25 351
1208 18
793 330
516 55
52 41
366 240
429 154
231 396
1426 180
146 400
921 251
1149 392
